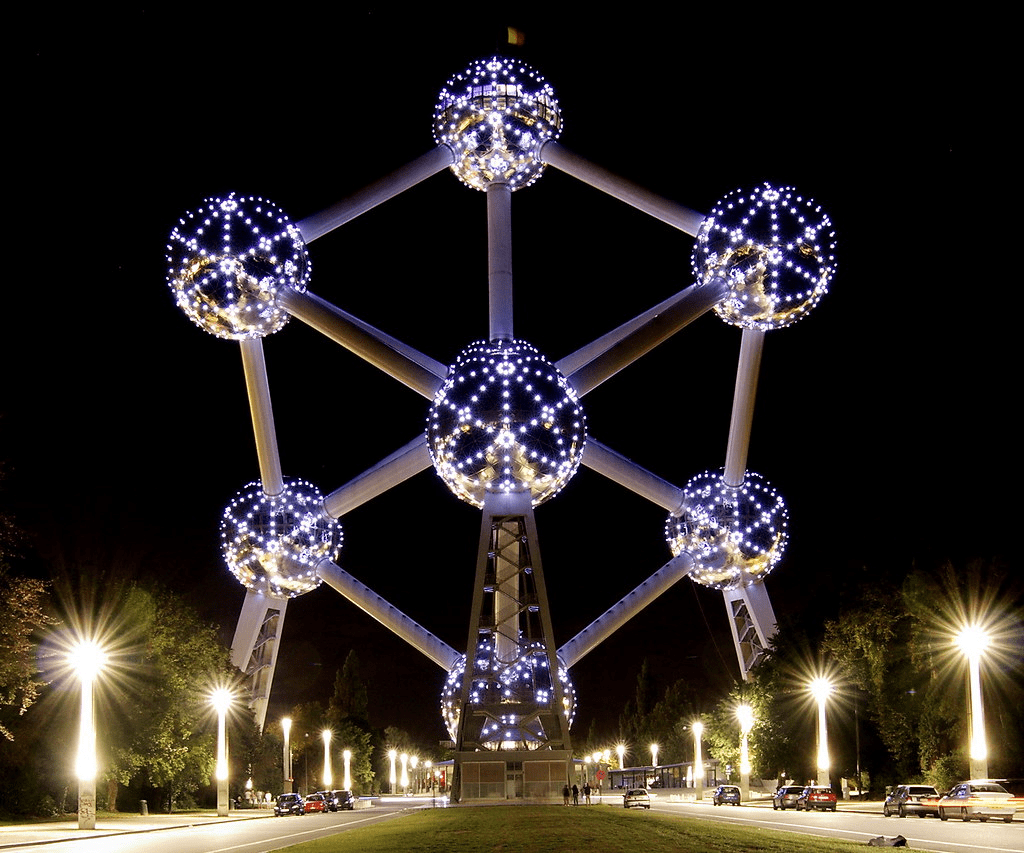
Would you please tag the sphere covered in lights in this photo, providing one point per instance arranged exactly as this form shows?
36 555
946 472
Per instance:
227 261
494 116
775 247
521 687
505 421
273 544
735 535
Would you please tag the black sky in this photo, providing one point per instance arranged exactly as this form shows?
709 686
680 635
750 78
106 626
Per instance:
883 418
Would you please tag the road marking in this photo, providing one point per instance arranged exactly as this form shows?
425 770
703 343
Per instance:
307 832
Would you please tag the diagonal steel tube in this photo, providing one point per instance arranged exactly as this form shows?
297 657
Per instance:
404 463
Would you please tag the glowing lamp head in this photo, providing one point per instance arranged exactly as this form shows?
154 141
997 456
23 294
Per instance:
494 117
972 640
87 658
505 421
775 247
520 687
735 535
745 715
227 261
698 729
221 700
273 544
821 689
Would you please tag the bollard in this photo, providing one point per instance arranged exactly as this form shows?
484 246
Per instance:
143 808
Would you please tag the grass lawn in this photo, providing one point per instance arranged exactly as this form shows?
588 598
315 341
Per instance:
555 829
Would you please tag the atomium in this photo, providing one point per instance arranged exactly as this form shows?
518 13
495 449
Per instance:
494 116
272 544
227 261
505 421
516 685
775 247
735 534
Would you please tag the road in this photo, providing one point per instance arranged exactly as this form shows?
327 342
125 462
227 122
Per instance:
921 833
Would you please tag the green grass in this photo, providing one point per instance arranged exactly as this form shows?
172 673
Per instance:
555 829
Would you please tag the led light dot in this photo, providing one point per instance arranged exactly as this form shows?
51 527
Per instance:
227 261
272 544
775 247
735 536
505 421
522 686
494 116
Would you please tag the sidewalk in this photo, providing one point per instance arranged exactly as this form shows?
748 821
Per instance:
19 834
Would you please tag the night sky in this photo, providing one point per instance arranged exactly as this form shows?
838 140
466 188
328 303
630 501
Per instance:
883 418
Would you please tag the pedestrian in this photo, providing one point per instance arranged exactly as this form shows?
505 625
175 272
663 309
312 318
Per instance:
565 794
586 793
575 795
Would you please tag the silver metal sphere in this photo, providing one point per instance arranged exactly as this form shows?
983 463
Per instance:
775 247
505 421
494 116
735 536
226 262
519 686
272 544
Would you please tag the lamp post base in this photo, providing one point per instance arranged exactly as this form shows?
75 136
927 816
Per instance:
86 805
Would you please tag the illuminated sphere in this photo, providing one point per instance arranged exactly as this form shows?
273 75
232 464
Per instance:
505 421
273 544
494 116
227 261
735 536
775 247
521 687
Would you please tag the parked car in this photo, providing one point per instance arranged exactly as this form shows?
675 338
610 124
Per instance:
816 797
786 796
330 805
978 798
344 799
911 799
637 798
288 804
726 794
315 803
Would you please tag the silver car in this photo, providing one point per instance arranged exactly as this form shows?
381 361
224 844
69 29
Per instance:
637 798
980 798
911 799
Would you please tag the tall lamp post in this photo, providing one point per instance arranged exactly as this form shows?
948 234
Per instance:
745 714
654 760
821 689
347 757
221 700
404 758
87 659
286 758
393 778
972 641
328 776
698 761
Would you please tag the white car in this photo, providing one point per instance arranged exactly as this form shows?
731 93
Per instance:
637 798
980 798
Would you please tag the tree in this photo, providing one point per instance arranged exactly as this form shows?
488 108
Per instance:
23 603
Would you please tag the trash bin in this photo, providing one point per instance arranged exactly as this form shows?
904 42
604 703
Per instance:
143 807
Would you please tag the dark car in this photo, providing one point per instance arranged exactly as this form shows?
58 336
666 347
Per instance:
288 804
636 798
816 797
344 800
911 799
786 796
315 803
330 804
980 798
726 794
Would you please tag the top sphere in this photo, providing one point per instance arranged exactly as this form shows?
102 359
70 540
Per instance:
776 249
494 116
226 262
505 421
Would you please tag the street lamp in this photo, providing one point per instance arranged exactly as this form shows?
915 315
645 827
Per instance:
620 751
286 758
654 759
328 778
745 714
821 689
87 659
347 756
404 758
972 641
698 760
221 701
393 779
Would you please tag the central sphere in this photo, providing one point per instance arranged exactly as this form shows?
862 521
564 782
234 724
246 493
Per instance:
505 421
272 543
494 116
